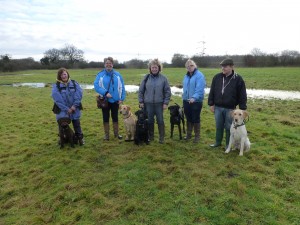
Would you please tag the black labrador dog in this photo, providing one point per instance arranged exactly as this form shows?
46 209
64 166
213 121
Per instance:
142 130
176 118
66 134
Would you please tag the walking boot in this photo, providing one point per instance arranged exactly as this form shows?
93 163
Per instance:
81 140
227 137
151 131
106 131
189 130
219 137
197 132
116 130
161 131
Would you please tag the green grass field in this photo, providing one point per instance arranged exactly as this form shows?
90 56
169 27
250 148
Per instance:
117 182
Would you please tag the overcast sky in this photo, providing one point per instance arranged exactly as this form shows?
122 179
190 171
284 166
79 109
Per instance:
147 29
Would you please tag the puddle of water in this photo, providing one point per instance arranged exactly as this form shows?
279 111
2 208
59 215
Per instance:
252 93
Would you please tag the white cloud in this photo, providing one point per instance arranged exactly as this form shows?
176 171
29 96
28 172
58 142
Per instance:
148 28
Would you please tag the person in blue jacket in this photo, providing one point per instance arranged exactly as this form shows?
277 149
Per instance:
193 94
109 83
67 96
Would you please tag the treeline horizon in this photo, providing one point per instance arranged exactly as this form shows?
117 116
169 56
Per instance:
72 58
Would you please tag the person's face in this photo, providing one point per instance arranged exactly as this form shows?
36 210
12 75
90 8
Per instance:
190 68
154 69
108 65
227 70
64 76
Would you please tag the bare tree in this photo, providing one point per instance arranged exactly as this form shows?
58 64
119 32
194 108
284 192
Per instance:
71 54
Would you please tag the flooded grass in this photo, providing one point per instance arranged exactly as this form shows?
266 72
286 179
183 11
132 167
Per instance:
117 182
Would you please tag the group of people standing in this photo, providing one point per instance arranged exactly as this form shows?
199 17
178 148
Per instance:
226 92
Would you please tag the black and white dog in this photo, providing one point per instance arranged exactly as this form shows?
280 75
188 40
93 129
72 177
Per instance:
176 118
66 134
142 130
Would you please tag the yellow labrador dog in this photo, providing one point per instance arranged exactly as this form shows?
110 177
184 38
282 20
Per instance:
238 133
129 122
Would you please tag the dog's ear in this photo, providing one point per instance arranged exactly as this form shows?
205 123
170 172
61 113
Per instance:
128 108
232 113
245 114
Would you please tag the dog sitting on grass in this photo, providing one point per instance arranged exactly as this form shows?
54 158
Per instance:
129 122
142 129
66 134
238 132
176 118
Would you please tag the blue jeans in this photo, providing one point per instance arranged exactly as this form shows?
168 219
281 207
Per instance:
223 118
155 109
192 111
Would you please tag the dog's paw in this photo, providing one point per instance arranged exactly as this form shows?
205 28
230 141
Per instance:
227 151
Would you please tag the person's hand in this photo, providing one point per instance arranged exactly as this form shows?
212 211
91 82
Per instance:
141 105
120 102
212 108
73 108
108 95
165 106
70 111
191 100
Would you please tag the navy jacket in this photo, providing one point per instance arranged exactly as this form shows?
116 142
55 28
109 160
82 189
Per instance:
233 94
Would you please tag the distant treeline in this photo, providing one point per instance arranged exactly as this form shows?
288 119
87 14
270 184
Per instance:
71 57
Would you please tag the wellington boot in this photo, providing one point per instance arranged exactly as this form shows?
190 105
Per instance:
227 137
106 131
116 130
161 131
197 132
189 130
219 137
151 131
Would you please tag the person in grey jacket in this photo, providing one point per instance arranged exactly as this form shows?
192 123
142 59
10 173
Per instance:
154 97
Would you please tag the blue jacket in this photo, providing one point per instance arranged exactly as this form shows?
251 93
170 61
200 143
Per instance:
193 86
116 87
66 97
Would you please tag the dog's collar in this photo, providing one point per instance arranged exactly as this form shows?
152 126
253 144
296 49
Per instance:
127 116
238 125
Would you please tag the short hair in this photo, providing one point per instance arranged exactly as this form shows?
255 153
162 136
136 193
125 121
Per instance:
110 59
190 62
155 62
60 71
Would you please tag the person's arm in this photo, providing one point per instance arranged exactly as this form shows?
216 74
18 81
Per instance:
77 96
57 98
199 89
242 95
97 87
167 93
142 92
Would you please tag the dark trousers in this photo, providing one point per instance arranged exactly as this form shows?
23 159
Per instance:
113 108
192 111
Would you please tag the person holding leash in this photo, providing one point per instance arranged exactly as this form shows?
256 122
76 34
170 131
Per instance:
193 94
110 84
227 90
67 96
154 96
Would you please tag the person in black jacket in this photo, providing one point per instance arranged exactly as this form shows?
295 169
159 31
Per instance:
227 90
